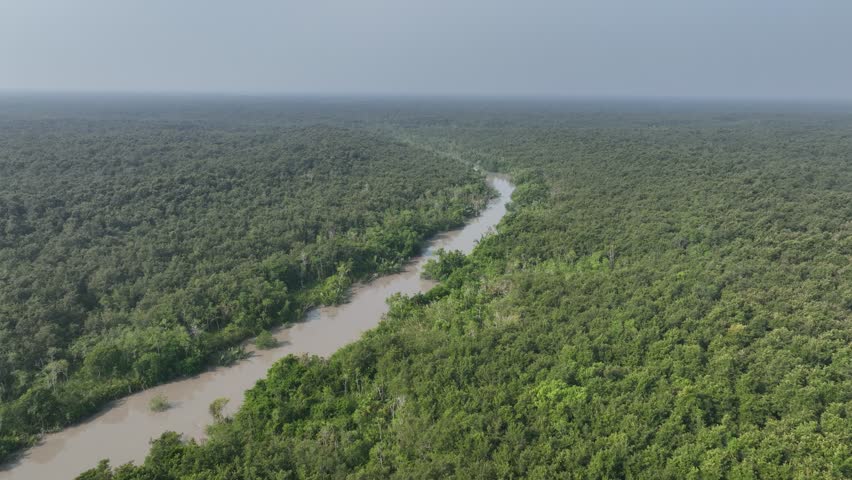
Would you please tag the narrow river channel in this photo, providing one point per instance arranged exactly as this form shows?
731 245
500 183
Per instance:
122 432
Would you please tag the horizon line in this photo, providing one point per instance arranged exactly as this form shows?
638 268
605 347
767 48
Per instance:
414 95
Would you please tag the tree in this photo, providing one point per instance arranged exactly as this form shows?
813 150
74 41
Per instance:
217 409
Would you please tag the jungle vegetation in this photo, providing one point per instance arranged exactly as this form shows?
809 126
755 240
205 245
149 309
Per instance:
670 296
135 252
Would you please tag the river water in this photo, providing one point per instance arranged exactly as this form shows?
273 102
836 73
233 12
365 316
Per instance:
122 432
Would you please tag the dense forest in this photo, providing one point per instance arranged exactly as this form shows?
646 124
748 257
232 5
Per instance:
669 296
134 251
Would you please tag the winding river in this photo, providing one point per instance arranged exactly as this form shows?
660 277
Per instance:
122 431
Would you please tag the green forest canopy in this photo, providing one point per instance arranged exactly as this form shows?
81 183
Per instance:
133 253
670 296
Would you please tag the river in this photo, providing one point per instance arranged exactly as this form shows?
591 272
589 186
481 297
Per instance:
122 431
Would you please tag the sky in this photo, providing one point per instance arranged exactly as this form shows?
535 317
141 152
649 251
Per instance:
661 48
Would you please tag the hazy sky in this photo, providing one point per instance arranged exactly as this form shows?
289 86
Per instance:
763 48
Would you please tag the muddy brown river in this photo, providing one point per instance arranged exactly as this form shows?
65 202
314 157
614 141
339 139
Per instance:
122 432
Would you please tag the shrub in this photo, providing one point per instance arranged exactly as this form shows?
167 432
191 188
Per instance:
159 403
265 341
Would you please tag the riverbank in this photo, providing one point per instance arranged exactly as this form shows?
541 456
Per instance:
122 432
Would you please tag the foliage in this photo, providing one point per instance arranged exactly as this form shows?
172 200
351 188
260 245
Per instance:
670 296
136 250
441 267
333 290
217 409
159 403
231 355
265 341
